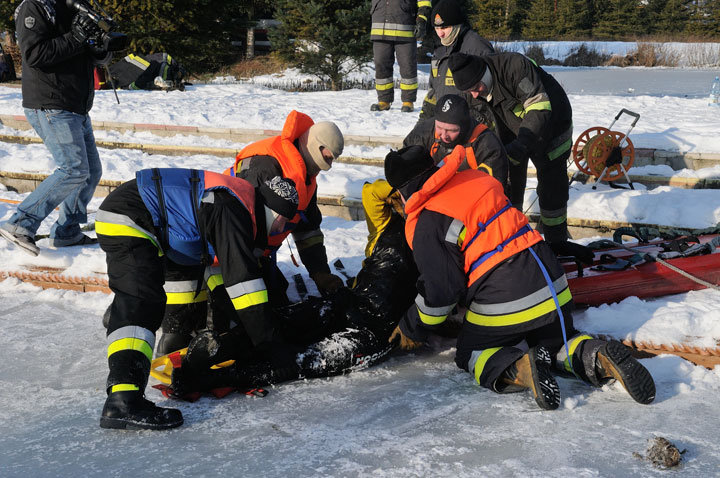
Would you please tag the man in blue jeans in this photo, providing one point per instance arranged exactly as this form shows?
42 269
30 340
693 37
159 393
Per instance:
58 89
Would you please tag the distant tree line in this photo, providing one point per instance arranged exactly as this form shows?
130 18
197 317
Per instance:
330 38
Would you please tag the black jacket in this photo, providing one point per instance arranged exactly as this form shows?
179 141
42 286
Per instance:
519 99
57 70
441 80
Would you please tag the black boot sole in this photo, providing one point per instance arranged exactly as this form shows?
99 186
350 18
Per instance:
616 360
125 424
545 388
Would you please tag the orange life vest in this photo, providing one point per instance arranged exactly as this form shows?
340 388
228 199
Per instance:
494 230
291 162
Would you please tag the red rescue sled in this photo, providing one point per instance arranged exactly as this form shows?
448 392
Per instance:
599 284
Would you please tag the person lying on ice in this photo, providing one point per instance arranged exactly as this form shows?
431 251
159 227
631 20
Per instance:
474 250
453 125
300 152
182 216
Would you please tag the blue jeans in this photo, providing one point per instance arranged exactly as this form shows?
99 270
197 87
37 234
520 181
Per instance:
69 137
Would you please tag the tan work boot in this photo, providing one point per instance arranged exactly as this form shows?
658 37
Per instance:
380 106
531 371
614 361
407 107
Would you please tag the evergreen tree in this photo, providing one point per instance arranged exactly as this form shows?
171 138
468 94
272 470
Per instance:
574 19
7 12
325 38
491 18
674 17
616 19
540 23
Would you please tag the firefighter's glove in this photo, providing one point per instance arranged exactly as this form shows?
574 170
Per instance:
394 201
326 282
420 28
405 342
566 248
84 29
517 152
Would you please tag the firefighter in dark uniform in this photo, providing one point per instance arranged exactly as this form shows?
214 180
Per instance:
185 217
454 35
474 250
453 125
300 152
396 26
534 121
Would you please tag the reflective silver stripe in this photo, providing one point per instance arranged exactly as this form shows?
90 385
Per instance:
247 287
301 236
473 360
180 286
383 81
132 332
409 81
454 231
208 197
212 271
136 61
539 98
393 26
123 220
554 213
433 311
520 304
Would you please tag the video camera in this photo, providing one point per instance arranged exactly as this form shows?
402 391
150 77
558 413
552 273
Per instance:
107 39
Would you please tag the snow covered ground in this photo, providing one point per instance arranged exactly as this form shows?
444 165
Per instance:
414 415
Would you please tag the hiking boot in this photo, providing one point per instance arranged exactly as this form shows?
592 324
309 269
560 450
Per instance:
131 411
380 106
407 107
615 362
83 241
26 243
531 371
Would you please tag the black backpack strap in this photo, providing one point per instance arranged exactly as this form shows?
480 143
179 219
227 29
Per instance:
206 260
157 179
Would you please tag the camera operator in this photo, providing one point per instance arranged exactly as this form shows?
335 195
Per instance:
59 52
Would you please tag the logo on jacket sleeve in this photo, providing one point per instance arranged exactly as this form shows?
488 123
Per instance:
29 22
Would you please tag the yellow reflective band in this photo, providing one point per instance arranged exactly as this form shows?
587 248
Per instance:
131 343
108 229
124 387
424 3
391 33
519 317
179 298
431 319
553 221
461 237
573 345
386 86
248 300
309 242
560 150
423 17
214 281
540 105
413 86
139 60
486 168
434 72
482 360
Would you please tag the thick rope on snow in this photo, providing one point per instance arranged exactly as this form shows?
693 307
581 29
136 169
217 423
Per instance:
53 280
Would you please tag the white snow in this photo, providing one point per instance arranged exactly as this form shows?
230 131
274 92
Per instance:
414 415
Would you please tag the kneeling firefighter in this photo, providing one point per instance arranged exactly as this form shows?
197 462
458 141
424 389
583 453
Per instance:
471 245
182 217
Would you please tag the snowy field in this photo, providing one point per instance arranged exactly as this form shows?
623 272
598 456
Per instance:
415 415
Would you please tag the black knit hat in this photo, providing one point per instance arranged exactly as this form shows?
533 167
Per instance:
452 109
467 70
405 164
280 195
447 13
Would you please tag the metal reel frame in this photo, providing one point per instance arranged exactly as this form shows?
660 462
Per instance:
593 148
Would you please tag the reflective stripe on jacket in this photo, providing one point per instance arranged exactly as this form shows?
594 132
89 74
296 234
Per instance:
394 20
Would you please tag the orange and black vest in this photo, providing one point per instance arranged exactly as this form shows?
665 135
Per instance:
493 229
469 151
283 149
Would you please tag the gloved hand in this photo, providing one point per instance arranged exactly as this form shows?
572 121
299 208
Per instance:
420 28
406 343
326 282
517 152
84 29
567 248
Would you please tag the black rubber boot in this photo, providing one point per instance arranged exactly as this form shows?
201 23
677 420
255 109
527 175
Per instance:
614 361
171 341
131 411
532 371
